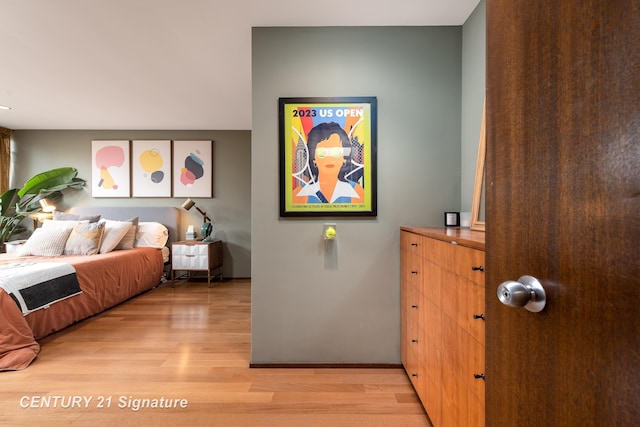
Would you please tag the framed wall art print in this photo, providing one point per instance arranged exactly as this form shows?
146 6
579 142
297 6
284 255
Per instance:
151 168
327 149
110 166
192 168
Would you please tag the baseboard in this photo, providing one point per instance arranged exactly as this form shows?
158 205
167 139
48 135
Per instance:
213 279
327 365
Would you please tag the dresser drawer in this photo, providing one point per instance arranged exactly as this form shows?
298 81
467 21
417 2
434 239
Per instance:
191 257
470 264
412 243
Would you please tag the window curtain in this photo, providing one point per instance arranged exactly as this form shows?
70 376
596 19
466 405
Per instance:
5 158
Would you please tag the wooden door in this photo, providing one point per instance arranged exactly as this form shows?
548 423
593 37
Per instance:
563 205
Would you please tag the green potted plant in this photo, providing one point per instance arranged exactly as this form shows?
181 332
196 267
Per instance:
16 204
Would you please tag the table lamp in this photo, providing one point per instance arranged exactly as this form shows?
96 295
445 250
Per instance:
207 227
45 213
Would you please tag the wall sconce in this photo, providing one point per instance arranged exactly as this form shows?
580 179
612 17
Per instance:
207 228
329 231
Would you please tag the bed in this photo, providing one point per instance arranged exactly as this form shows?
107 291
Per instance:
59 291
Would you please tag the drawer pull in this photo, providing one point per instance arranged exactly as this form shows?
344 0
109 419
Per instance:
414 272
478 268
415 245
479 316
414 306
479 376
414 375
190 256
414 340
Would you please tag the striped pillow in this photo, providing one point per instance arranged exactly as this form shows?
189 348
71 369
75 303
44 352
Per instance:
46 242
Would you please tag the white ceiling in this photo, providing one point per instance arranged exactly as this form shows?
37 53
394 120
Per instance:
160 64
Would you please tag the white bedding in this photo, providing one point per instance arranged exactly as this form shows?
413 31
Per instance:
37 285
166 252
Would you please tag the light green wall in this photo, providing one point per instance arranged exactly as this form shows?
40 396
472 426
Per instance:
473 90
35 151
317 303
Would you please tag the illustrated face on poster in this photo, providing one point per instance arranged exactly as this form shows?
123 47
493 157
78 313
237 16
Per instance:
327 156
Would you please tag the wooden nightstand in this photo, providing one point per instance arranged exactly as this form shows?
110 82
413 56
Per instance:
195 255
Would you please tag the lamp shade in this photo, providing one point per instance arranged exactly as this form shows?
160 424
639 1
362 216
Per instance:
46 207
188 204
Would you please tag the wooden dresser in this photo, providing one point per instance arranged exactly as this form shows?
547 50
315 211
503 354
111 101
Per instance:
442 315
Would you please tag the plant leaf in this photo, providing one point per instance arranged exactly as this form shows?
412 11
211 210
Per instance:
52 180
16 204
8 202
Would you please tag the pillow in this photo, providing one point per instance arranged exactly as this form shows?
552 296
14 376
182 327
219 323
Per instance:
84 239
45 242
114 231
68 224
63 216
151 235
129 238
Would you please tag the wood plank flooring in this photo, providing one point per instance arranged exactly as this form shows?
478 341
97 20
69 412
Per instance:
189 344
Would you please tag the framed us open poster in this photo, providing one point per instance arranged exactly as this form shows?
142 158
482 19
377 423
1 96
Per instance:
328 156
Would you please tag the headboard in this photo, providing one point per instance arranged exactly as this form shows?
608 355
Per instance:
168 216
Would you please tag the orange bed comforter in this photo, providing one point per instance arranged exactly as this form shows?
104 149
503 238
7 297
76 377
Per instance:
106 280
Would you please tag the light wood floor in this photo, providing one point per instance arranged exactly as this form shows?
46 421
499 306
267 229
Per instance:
192 342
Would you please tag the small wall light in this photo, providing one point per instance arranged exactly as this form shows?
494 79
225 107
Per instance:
330 231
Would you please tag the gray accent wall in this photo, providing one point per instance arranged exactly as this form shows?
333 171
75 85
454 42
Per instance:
339 302
35 151
473 91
